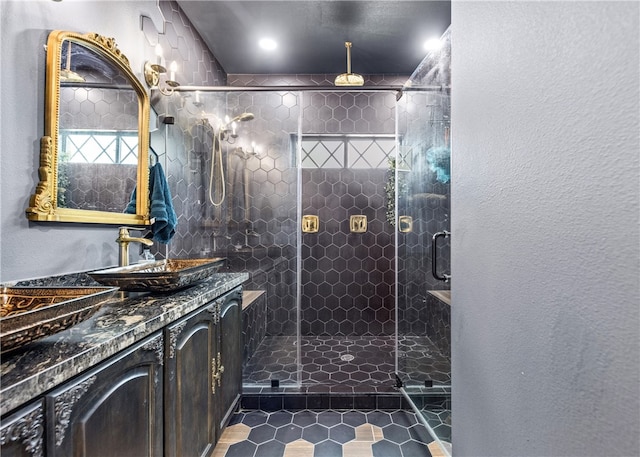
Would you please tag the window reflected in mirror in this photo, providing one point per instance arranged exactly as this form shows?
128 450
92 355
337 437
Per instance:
98 132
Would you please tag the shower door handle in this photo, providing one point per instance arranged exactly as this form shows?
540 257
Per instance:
434 258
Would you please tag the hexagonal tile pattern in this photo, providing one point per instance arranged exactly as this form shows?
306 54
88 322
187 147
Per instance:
420 360
231 435
427 200
355 305
347 279
269 212
327 433
345 267
347 361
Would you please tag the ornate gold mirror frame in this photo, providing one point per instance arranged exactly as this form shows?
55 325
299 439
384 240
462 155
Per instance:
44 204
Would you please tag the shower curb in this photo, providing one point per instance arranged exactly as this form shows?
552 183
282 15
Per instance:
293 399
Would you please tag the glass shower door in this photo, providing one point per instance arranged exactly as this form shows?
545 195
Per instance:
238 145
422 188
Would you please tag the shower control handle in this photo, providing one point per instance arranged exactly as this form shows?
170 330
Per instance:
434 258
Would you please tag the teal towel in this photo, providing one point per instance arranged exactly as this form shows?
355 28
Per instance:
439 162
161 206
131 207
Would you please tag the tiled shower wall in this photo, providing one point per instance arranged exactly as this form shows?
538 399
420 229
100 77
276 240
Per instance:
346 278
88 184
176 142
362 263
423 123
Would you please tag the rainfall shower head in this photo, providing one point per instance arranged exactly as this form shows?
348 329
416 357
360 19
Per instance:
348 78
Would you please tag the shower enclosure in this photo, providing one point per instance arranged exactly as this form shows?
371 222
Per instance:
423 200
423 267
332 198
327 321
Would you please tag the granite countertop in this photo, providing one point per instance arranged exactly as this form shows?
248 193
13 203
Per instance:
120 322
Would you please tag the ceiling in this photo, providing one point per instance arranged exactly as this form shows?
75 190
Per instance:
387 36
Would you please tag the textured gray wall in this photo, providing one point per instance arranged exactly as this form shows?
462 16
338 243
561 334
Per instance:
545 243
28 249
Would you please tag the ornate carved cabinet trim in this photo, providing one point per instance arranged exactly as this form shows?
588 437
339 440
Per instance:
28 429
156 345
214 310
64 406
174 332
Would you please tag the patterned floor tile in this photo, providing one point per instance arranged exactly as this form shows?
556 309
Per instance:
299 448
329 433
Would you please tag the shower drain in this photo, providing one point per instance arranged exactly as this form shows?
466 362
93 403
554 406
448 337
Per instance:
347 357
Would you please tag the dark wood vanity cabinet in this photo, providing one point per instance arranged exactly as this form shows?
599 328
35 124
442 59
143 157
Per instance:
169 394
231 356
202 376
189 409
112 410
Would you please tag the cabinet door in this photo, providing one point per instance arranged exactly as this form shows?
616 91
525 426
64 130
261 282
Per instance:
230 330
189 385
113 410
22 433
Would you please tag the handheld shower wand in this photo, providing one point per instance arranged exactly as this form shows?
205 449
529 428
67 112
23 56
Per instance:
217 147
242 118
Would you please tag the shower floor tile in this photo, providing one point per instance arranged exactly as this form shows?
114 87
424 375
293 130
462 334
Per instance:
419 360
351 363
328 361
331 433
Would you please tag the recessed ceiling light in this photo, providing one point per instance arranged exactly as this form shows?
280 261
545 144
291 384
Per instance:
267 44
432 45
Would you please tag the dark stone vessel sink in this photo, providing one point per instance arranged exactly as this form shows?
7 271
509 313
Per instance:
160 276
31 313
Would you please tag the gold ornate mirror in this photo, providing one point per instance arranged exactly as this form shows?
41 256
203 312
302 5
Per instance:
95 149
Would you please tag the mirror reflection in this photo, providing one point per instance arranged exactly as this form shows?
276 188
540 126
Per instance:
95 149
98 132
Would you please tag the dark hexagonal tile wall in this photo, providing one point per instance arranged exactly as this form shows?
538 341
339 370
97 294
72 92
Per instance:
419 313
273 196
85 110
342 269
84 186
203 230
